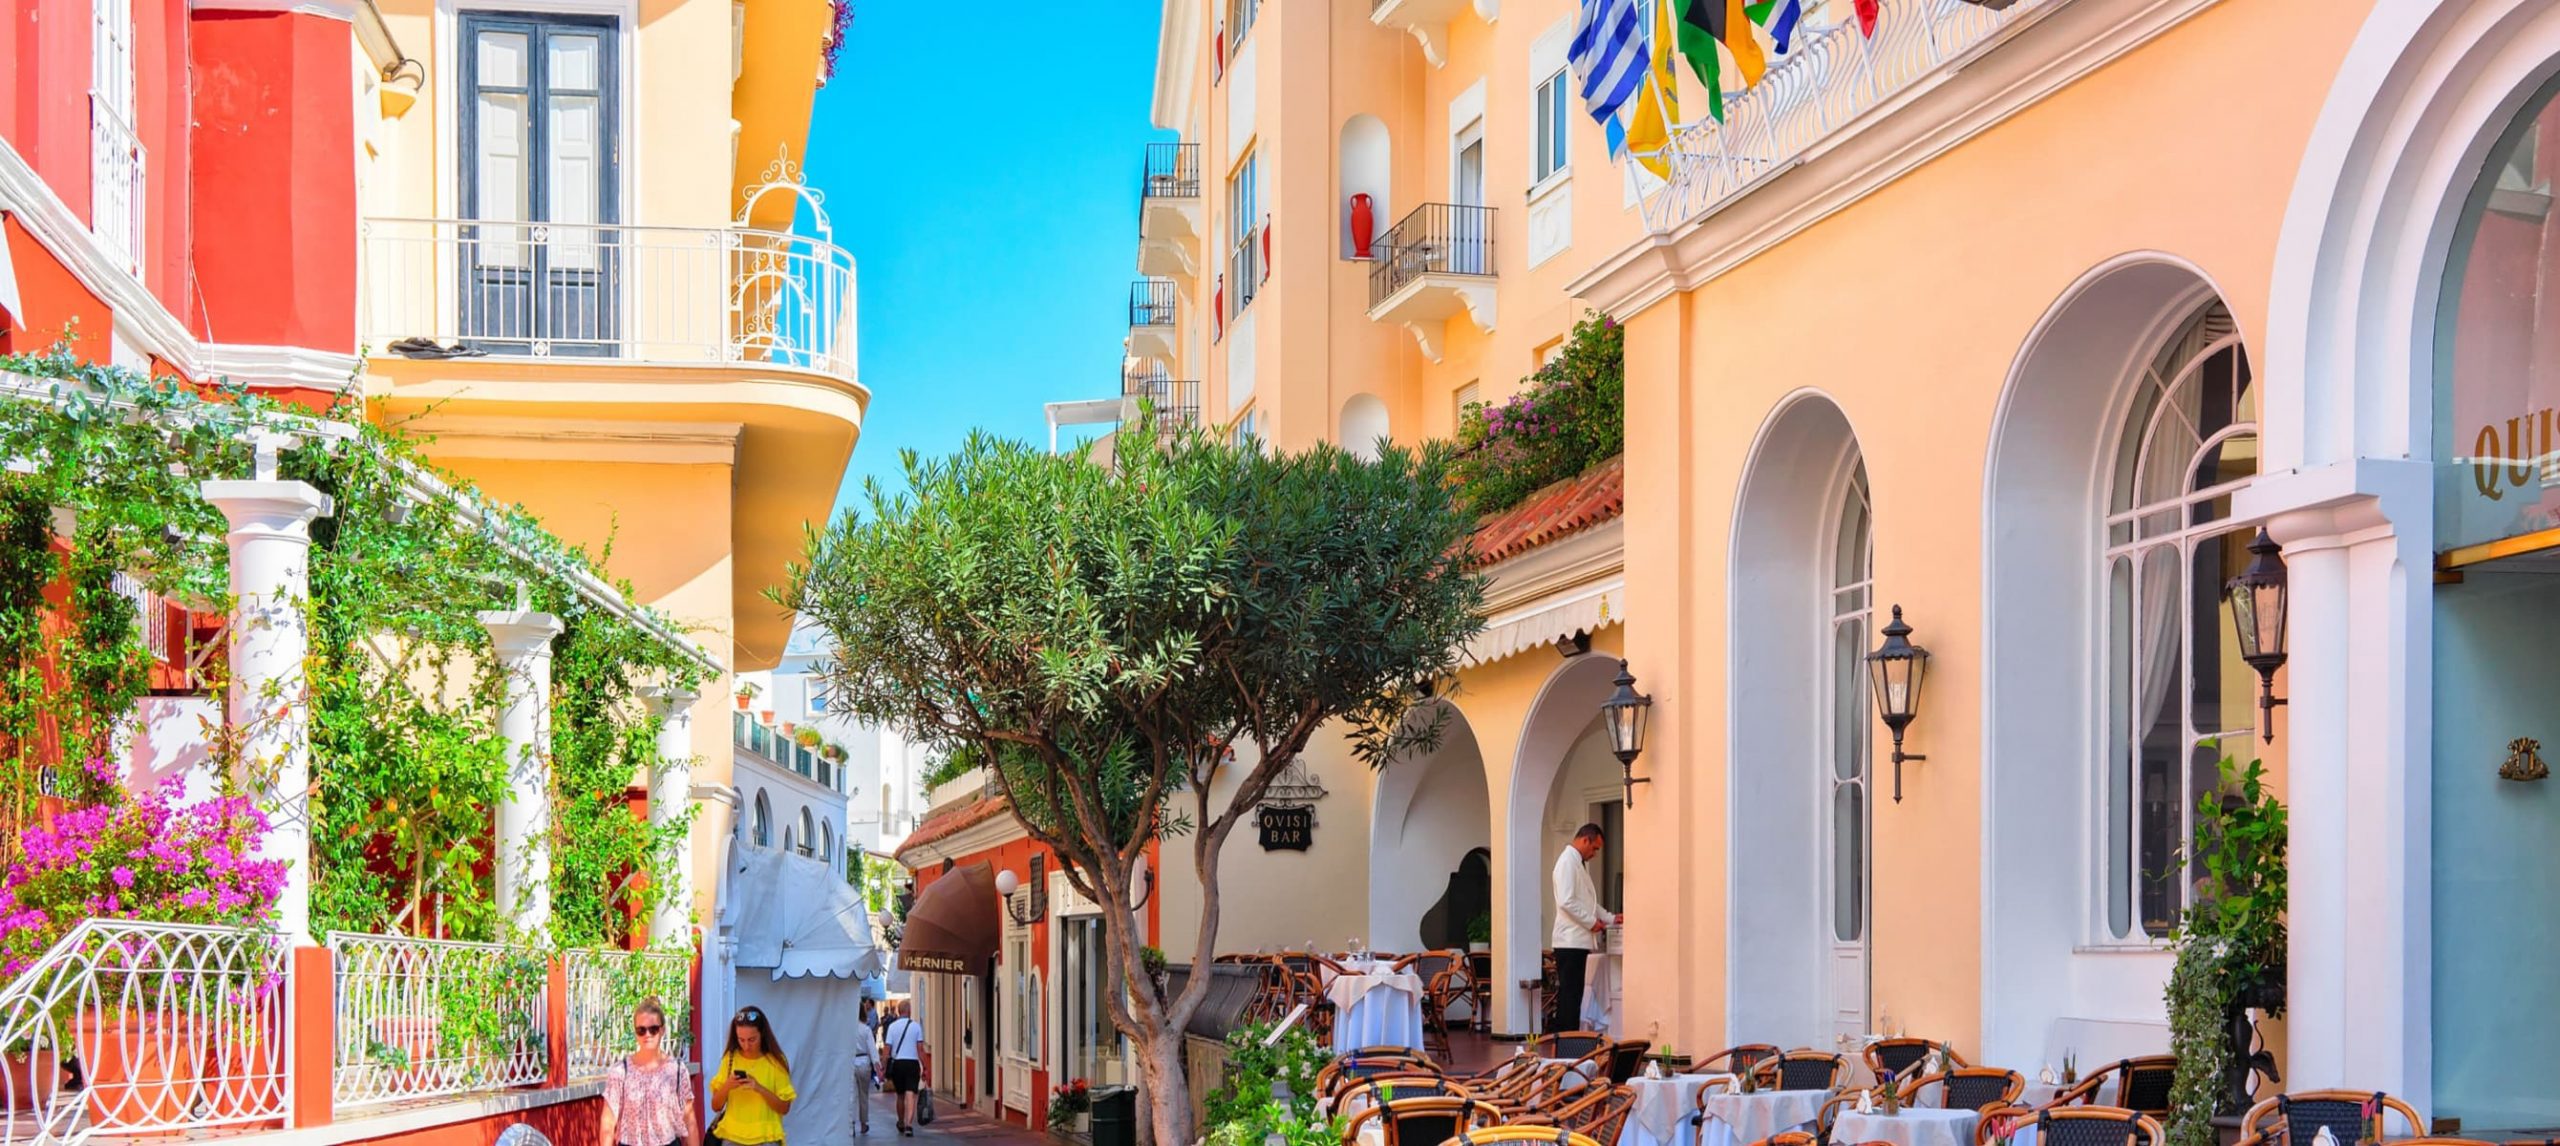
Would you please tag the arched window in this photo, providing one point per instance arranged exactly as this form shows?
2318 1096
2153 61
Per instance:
808 832
763 836
2176 688
826 840
1852 571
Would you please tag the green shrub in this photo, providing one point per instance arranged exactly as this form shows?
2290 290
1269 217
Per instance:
1570 417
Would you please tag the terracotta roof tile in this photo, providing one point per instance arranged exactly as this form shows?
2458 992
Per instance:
1567 507
951 821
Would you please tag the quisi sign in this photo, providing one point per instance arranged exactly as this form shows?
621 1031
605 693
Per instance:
2497 378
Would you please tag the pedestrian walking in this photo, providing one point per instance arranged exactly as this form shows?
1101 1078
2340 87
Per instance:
648 1101
866 1068
752 1089
1580 923
903 1043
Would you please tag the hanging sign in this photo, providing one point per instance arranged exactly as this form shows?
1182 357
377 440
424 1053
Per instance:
1287 829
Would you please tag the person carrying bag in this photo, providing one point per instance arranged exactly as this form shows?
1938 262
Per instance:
903 1043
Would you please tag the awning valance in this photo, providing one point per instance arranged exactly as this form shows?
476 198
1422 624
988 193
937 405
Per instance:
953 928
1538 624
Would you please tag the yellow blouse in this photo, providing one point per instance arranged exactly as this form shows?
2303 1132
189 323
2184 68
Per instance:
748 1119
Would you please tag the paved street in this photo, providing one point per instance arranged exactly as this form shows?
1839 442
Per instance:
952 1126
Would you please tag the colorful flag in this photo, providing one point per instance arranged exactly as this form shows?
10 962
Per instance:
1867 16
1657 104
1780 17
1707 24
1609 59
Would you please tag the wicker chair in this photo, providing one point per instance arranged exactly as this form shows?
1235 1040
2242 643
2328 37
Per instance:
1568 1044
2094 1126
1789 1138
1421 1121
1373 1090
1480 987
1600 1113
2141 1084
1625 1059
1735 1059
1801 1069
2436 1141
2296 1119
1899 1057
1975 1088
1351 1070
1515 1132
1446 983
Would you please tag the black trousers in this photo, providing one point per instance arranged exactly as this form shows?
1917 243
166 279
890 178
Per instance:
1568 1006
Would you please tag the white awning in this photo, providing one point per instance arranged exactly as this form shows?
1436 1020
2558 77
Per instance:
1538 624
8 282
797 916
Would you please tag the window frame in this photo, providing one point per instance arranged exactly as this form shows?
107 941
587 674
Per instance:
538 26
1550 131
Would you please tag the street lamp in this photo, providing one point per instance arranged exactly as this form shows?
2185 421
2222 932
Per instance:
1007 883
1627 712
2258 598
1898 668
1143 876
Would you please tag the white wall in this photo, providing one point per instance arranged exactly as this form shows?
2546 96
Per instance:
1430 811
1273 900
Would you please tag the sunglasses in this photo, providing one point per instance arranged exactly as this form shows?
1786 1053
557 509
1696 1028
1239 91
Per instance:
751 1016
646 1031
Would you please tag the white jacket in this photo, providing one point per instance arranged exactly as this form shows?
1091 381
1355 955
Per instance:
1577 904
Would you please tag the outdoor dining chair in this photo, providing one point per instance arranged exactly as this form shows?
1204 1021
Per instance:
1899 1057
1445 984
2093 1126
1568 1044
1508 1133
1351 1070
1789 1138
1735 1059
2296 1119
1377 1090
1421 1121
2141 1084
1975 1088
2438 1141
1601 1112
1625 1059
1802 1069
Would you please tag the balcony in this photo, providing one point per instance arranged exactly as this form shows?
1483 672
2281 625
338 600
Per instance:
1825 88
778 750
1427 20
1152 309
1169 211
672 296
1177 403
1434 264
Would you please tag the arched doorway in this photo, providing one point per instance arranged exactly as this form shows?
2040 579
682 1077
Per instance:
1802 807
1562 777
1430 816
2127 429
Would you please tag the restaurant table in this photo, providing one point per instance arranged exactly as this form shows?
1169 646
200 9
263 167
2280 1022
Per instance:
1739 1119
1914 1126
1663 1108
1377 1009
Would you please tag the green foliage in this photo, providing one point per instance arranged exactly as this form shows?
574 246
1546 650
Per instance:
1294 1127
2230 942
406 757
1480 928
1570 416
1252 1068
951 765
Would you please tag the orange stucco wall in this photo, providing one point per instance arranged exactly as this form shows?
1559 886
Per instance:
274 108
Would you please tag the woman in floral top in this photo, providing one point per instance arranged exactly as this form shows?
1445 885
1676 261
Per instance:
647 1099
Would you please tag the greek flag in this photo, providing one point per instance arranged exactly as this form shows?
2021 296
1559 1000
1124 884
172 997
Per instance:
1610 59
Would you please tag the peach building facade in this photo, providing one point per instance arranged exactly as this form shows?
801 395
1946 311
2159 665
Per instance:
2023 320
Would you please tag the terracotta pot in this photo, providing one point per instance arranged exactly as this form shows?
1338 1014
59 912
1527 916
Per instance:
33 1077
141 1068
251 1081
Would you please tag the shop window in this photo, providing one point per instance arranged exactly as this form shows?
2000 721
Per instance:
2176 689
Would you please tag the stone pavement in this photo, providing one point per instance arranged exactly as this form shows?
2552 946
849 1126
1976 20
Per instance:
952 1126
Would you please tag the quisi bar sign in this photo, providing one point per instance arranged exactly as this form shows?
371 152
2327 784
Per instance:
2520 462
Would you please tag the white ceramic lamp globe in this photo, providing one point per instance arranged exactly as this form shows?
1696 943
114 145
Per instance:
1006 882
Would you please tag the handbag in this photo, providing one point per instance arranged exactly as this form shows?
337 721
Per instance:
924 1106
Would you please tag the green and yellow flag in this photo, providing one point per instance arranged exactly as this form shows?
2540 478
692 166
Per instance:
1704 26
1657 103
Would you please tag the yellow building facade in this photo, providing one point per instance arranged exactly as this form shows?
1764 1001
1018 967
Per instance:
2024 319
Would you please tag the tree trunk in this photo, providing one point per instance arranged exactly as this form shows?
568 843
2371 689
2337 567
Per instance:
1168 1087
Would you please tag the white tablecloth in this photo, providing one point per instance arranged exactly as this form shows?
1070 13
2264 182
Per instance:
1600 992
1375 1010
1915 1126
1663 1107
1741 1119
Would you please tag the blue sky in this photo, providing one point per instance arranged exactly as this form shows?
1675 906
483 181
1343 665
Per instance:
995 235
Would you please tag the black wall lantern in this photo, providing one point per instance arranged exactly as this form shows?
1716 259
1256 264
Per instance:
1898 667
1626 712
2258 598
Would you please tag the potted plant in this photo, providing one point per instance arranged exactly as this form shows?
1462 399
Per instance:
747 692
1673 1062
834 753
1069 1104
34 1074
1480 932
2230 945
808 737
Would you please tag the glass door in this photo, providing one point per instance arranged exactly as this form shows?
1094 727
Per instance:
1845 953
1470 223
540 267
1093 1043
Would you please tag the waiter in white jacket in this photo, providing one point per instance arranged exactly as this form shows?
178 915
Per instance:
1581 923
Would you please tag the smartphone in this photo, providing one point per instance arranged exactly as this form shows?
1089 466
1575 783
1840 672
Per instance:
737 1076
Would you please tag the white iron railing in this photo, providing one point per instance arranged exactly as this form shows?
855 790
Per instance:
424 1017
116 199
606 988
1832 77
128 1028
660 295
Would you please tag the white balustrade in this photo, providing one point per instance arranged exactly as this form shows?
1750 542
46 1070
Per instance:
425 1017
1833 76
605 987
126 1028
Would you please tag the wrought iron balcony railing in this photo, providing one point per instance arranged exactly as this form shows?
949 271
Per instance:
718 296
1173 171
394 1042
1437 238
1176 402
1151 302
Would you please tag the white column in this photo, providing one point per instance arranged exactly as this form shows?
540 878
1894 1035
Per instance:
270 541
670 793
522 640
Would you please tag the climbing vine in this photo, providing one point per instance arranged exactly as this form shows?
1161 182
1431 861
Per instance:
407 759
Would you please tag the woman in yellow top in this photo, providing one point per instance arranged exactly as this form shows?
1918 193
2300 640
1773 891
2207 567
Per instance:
752 1089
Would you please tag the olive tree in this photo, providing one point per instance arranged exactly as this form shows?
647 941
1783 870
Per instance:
1108 639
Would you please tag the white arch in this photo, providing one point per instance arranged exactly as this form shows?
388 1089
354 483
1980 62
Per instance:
1778 790
763 832
2044 491
1364 425
1425 812
1368 167
1565 707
